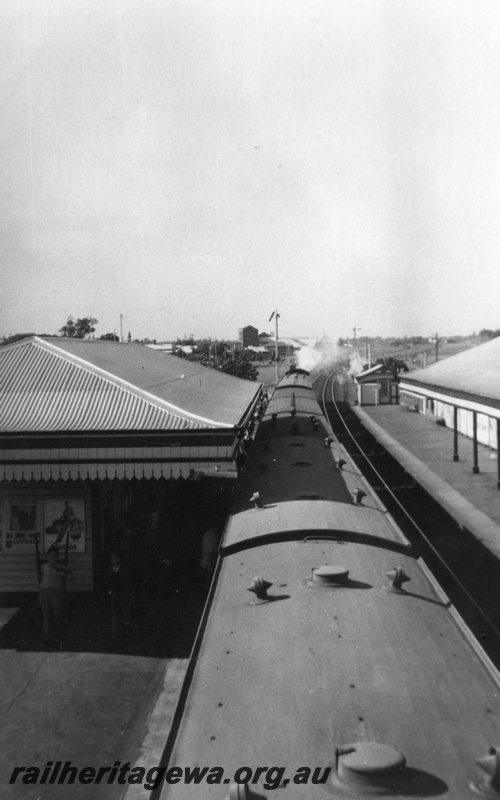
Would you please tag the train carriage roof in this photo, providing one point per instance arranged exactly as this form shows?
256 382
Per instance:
310 518
303 401
285 683
287 677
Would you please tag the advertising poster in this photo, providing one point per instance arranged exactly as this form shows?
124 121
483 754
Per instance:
64 519
22 526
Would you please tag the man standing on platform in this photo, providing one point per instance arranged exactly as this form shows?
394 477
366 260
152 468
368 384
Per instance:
118 587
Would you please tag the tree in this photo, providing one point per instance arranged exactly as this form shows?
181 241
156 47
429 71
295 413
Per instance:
80 329
110 337
16 337
240 366
487 333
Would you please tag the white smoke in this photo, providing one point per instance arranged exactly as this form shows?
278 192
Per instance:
322 354
356 364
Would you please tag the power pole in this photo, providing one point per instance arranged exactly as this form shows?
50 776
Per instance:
121 327
354 331
437 343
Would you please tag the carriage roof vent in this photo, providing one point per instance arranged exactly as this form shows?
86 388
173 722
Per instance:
259 587
490 786
329 575
369 766
398 576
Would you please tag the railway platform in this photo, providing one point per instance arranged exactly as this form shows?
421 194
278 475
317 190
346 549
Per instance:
425 450
85 702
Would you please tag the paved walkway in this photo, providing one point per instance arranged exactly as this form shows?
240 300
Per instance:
84 702
425 450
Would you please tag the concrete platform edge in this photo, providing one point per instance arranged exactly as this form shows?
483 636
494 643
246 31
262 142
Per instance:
468 516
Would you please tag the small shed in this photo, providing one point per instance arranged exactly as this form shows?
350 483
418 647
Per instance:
376 386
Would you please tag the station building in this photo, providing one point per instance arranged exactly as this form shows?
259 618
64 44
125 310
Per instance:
105 445
461 392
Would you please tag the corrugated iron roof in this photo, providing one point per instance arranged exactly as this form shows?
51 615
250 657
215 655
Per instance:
79 385
370 371
475 371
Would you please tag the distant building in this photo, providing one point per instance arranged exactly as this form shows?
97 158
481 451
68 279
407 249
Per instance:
259 353
249 336
165 347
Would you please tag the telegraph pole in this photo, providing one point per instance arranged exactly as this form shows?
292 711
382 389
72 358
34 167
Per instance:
276 318
437 343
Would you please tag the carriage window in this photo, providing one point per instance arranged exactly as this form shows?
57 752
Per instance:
383 387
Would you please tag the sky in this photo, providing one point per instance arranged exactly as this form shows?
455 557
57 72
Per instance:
194 165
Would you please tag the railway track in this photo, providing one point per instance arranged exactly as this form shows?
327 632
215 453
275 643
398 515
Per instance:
462 566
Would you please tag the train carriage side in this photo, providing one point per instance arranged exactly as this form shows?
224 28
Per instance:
329 668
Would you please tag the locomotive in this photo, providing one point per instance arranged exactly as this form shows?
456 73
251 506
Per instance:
328 662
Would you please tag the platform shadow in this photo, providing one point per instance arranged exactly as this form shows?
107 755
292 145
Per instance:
160 626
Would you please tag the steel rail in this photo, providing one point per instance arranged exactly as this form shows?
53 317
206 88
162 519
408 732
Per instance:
332 376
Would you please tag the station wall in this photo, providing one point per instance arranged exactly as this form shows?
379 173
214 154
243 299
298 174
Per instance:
486 425
41 510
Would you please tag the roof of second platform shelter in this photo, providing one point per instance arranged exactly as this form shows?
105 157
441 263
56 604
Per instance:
475 371
80 385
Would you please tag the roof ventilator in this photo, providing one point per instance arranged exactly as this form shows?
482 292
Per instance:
241 791
315 422
256 499
490 786
330 576
398 576
358 495
328 441
259 587
369 766
341 463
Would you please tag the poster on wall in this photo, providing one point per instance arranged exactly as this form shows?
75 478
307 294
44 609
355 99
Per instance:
64 521
22 526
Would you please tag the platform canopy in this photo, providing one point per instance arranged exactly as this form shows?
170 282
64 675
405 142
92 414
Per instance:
472 375
73 408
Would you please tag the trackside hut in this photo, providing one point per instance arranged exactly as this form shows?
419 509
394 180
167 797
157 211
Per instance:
463 392
97 437
376 386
